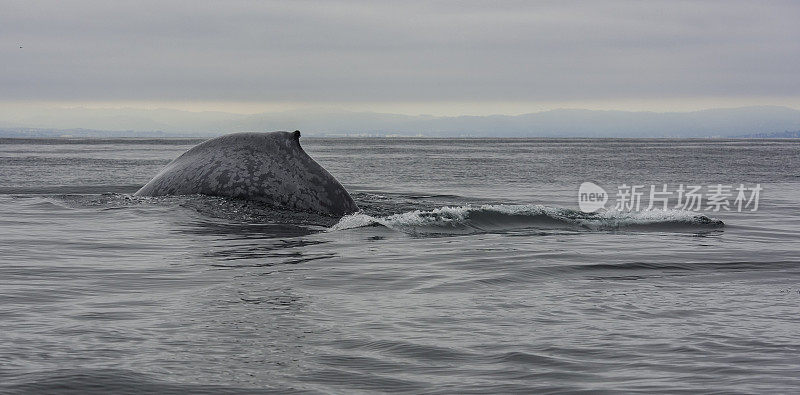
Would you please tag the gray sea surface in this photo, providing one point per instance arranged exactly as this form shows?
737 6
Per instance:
469 269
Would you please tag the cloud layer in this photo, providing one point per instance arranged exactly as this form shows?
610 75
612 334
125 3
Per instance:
397 51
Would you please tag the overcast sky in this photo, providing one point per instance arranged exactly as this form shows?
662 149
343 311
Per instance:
424 57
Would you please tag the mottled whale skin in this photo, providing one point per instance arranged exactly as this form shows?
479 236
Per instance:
266 167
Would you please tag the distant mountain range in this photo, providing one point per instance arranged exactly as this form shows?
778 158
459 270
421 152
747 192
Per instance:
756 122
776 135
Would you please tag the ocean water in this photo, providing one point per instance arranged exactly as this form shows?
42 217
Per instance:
469 269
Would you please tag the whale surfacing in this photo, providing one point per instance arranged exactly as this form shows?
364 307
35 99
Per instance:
270 168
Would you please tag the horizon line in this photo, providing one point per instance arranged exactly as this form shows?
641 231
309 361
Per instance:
433 109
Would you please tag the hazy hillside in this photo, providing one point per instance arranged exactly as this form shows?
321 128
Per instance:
761 120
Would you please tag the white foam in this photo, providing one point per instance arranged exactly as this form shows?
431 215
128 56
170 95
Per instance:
352 221
465 217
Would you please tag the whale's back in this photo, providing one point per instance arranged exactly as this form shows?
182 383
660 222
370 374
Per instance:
268 167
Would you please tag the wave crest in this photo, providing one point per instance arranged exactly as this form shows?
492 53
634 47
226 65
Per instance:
487 218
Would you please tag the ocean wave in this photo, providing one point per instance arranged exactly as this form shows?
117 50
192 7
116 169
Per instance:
220 215
487 218
115 381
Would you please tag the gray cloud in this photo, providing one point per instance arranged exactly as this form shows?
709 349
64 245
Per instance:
397 51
